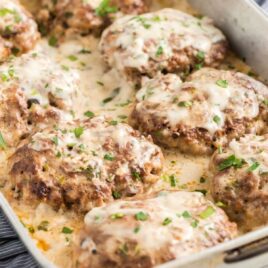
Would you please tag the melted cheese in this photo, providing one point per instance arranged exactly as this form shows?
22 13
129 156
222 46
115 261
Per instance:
139 38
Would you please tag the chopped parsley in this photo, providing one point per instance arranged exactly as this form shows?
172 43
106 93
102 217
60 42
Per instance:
194 224
72 58
200 55
217 119
136 229
141 216
186 214
108 157
116 195
105 8
85 51
143 22
2 142
220 204
43 226
113 123
166 221
265 102
116 216
159 51
253 167
89 114
66 230
222 83
78 132
113 95
173 181
136 175
55 140
185 104
209 211
53 41
231 161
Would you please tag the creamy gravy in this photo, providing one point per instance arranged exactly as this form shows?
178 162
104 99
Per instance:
103 93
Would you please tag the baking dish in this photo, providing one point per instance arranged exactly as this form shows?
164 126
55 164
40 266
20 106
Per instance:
255 54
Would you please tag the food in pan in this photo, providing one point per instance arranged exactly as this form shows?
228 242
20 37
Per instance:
151 230
240 179
84 164
66 149
163 41
18 30
83 17
34 88
208 110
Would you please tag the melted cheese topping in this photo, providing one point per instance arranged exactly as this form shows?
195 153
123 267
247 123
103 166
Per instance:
202 102
141 38
38 76
176 221
252 149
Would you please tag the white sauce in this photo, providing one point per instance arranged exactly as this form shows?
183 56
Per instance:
139 38
205 101
252 149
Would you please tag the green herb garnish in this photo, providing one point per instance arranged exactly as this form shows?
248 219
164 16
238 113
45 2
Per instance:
66 230
166 221
141 216
209 211
222 83
231 161
105 8
78 132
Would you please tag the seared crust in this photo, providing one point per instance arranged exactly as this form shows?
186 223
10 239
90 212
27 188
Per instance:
76 16
18 30
168 41
243 187
32 99
205 112
173 226
84 164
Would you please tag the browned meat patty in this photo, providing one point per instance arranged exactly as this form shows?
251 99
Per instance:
84 164
240 180
83 17
18 30
164 41
150 231
34 90
205 112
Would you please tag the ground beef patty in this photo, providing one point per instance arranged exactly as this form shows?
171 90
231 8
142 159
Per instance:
164 41
151 230
84 164
18 31
35 91
208 110
240 179
78 16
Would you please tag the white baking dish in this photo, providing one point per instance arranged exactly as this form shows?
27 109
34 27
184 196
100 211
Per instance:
246 26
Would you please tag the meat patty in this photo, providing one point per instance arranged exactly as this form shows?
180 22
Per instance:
34 90
240 179
84 17
150 231
84 164
205 112
164 41
18 30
